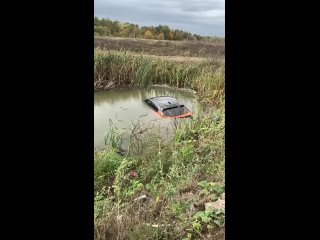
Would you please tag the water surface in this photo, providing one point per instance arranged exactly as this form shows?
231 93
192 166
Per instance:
125 107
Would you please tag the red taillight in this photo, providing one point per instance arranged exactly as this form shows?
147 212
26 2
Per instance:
160 114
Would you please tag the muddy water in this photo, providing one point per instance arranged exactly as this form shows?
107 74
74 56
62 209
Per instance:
124 108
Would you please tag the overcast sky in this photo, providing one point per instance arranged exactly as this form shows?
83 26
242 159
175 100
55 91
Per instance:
203 17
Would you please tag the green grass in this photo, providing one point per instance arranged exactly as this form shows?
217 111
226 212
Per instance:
177 176
168 174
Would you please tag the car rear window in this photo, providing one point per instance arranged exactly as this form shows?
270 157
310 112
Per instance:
175 111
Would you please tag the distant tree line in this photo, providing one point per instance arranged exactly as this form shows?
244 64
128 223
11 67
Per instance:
107 27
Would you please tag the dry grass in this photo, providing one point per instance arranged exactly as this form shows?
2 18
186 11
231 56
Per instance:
162 47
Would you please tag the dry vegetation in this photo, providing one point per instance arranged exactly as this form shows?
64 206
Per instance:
162 47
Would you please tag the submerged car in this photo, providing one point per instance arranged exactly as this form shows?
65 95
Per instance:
168 107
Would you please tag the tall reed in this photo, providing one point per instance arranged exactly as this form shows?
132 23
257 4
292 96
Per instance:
122 69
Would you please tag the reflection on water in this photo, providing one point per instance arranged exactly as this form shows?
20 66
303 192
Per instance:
124 107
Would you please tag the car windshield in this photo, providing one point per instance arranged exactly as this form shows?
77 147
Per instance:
175 111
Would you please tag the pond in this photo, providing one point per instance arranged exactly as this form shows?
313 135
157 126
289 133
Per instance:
123 108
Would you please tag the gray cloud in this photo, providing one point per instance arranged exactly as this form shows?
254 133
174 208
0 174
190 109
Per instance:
204 17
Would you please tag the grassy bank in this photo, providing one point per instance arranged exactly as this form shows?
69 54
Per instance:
162 189
162 47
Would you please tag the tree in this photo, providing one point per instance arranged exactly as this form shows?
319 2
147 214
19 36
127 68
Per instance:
166 32
107 27
133 30
197 37
102 31
123 31
158 29
96 21
160 36
148 34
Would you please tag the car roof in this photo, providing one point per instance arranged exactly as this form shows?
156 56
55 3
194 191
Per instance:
165 102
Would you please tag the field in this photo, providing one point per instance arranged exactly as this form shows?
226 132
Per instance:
158 189
162 47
